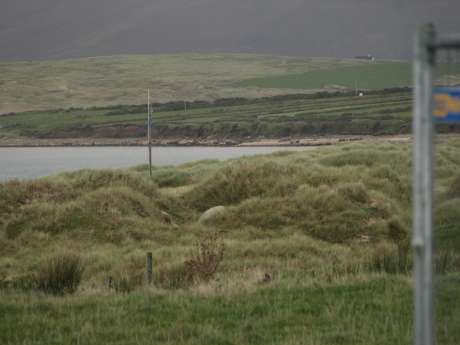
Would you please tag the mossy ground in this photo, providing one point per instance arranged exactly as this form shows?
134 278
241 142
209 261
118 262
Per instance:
330 227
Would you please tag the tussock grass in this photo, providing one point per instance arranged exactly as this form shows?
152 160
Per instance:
305 231
241 180
60 274
447 217
98 211
354 193
87 201
89 180
171 177
453 189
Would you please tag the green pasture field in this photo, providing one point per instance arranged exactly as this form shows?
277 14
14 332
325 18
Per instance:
373 75
376 113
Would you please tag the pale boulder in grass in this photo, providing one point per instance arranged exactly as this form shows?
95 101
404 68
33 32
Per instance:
211 214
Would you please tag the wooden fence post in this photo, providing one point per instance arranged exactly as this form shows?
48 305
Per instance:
149 268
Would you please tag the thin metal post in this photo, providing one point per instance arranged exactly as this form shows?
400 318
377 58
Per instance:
423 186
149 132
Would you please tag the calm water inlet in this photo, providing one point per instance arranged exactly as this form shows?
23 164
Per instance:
26 163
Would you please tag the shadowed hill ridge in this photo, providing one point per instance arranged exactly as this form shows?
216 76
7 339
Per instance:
45 29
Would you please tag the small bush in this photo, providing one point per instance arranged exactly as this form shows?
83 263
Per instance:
208 256
202 266
60 274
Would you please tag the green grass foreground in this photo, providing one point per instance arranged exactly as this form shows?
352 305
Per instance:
369 310
377 311
329 227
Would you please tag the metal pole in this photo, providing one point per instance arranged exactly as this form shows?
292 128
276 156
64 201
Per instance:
423 186
149 132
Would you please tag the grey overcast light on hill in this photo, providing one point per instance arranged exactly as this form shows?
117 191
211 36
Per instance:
44 29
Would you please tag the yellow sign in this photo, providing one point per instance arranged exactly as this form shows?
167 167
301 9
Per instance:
447 104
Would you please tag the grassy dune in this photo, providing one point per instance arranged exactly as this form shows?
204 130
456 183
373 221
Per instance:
317 250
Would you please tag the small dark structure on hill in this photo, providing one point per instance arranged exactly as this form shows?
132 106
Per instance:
365 57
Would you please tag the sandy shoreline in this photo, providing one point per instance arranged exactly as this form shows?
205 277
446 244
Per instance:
89 142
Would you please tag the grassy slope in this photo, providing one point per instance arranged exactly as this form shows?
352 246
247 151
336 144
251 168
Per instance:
319 222
373 75
271 117
124 79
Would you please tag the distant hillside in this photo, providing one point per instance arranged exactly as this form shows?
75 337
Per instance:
124 79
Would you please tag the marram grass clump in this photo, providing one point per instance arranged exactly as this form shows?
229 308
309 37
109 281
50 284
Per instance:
241 180
94 202
60 274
